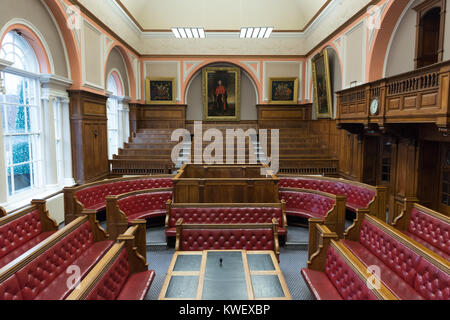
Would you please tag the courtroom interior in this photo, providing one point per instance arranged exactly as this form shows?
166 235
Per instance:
224 150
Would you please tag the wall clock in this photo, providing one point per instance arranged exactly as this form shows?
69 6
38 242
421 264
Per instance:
374 106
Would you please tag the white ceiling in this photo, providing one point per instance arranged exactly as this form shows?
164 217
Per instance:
229 15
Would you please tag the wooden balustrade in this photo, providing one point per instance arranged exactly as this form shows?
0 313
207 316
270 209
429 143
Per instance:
419 96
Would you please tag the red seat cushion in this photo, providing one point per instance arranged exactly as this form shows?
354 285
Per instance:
94 197
58 289
145 205
18 232
39 273
427 245
24 248
432 230
10 289
357 197
137 286
390 279
116 282
225 215
226 239
307 205
320 285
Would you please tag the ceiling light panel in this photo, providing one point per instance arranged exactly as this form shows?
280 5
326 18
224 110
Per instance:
255 32
188 33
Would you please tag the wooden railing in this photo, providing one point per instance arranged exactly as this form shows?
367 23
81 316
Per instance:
419 96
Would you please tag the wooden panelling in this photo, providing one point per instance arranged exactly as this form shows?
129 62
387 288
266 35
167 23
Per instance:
283 116
89 132
157 116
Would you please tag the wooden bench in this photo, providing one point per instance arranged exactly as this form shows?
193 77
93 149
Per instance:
334 273
359 195
2 212
225 213
407 268
92 195
255 236
122 274
430 228
143 204
23 229
43 273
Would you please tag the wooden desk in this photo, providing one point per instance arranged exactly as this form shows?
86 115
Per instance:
243 275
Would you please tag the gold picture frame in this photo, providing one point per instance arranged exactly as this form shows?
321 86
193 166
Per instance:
322 85
166 94
283 90
221 88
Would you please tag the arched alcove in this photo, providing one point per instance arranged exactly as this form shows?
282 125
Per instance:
116 62
194 96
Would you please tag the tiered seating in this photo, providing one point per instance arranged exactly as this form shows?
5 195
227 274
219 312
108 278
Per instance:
22 230
359 195
122 274
148 152
333 273
199 237
430 228
408 269
243 213
92 195
144 204
41 273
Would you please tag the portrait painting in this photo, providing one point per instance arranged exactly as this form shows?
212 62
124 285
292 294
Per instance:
160 91
221 93
322 85
283 90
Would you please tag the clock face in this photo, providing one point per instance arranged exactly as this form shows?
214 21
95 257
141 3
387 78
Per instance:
374 107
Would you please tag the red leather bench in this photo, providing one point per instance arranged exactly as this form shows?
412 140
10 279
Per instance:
41 273
338 281
203 213
410 271
359 195
334 273
22 230
142 204
305 204
122 274
92 196
199 237
430 228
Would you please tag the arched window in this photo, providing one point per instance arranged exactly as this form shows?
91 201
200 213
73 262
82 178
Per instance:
430 32
115 88
20 109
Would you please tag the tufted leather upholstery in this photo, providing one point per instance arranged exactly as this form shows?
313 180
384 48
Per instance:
338 282
431 230
230 239
307 205
116 282
94 197
344 279
20 235
146 205
404 271
45 277
431 282
10 290
226 215
357 197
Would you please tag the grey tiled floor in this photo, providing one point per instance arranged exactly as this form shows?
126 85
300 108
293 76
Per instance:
291 262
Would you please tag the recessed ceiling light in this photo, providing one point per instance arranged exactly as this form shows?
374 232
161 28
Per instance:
189 33
256 32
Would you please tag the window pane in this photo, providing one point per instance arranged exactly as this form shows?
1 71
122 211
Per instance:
22 177
20 149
